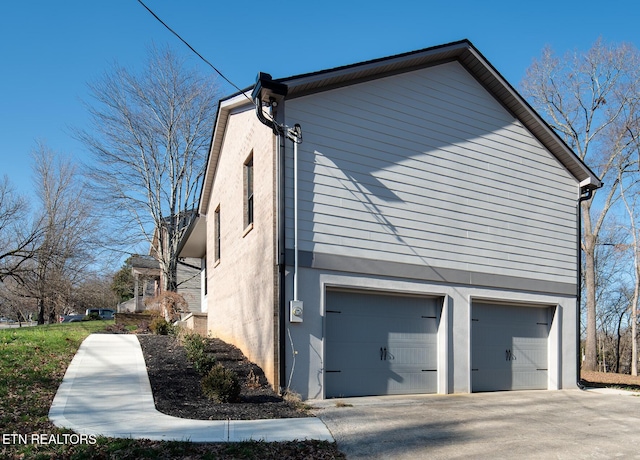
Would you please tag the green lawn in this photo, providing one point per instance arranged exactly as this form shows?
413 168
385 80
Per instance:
33 361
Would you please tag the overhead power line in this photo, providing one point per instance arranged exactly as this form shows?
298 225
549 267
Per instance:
203 59
191 47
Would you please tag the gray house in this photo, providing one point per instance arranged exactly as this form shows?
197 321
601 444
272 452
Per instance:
402 225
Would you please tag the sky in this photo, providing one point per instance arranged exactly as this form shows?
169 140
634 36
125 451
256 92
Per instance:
50 50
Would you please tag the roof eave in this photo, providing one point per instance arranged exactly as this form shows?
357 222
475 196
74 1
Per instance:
194 242
225 107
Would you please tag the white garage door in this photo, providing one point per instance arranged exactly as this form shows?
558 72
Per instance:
378 344
509 347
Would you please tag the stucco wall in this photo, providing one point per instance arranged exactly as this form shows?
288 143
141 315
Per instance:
241 284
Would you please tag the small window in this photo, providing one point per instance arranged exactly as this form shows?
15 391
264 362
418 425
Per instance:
204 274
248 191
217 233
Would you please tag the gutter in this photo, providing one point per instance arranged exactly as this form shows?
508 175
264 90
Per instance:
268 92
584 196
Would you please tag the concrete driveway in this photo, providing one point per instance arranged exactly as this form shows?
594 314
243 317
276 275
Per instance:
521 424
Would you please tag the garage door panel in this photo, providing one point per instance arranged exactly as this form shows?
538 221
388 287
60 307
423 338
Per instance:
487 357
341 383
378 327
532 353
509 347
530 380
406 357
378 382
487 379
506 380
365 356
503 314
355 355
411 382
382 304
379 344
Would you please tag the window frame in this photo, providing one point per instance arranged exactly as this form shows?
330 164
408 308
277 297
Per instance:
249 192
217 235
205 281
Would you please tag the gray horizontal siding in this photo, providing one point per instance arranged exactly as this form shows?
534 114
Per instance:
427 168
189 282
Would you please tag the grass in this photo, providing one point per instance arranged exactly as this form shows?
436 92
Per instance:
33 361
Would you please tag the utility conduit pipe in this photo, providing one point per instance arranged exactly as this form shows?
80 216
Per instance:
295 135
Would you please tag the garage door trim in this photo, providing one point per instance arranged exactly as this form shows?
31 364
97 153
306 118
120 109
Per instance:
373 332
530 330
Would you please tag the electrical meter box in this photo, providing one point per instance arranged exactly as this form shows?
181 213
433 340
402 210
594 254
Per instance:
295 311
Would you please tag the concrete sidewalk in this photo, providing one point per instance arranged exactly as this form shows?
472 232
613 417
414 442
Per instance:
106 391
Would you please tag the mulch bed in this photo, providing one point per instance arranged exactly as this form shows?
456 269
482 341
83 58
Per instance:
177 389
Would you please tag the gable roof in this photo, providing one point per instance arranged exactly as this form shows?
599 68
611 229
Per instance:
462 51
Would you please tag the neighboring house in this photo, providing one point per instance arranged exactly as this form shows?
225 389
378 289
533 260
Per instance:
149 277
188 269
192 253
435 244
193 283
146 278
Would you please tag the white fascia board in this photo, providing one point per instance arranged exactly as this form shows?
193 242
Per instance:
236 101
241 100
589 182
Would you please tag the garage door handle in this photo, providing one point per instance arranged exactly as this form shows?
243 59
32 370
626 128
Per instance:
383 354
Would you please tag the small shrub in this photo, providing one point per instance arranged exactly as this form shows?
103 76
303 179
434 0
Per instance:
221 384
295 400
204 363
160 326
168 304
195 347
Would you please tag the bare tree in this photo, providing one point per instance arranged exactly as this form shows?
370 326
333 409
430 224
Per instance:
14 306
94 291
18 233
68 239
46 253
630 196
151 133
586 97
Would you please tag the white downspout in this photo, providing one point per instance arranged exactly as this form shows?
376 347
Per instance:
296 305
295 220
